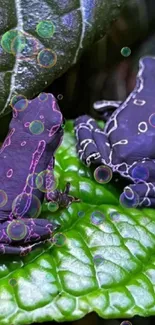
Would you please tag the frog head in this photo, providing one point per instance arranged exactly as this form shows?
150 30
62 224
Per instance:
39 117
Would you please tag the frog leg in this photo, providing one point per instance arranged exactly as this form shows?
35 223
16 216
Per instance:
19 250
16 250
22 235
92 143
142 192
62 198
106 107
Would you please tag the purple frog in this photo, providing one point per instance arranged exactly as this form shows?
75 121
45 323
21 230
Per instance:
26 174
127 143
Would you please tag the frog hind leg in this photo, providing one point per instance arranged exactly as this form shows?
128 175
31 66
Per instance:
105 108
142 192
62 198
20 236
17 250
93 145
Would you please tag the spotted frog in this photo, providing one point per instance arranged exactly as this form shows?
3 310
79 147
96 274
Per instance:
26 173
126 145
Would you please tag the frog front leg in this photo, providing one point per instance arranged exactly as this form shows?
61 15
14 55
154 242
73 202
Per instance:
92 143
61 198
142 192
106 107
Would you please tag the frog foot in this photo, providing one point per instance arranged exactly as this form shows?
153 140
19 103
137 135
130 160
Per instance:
142 192
138 195
20 236
63 199
92 143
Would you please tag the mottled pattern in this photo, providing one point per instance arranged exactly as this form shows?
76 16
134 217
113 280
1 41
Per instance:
24 153
127 141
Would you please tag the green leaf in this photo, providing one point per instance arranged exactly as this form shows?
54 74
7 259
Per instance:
28 28
102 258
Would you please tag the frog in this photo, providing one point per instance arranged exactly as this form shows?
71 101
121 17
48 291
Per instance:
27 159
126 142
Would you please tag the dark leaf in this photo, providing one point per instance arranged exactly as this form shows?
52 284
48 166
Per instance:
41 39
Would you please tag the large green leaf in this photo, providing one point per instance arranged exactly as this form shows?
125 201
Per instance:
107 266
77 24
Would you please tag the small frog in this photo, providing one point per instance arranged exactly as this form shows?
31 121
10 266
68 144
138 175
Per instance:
127 143
26 174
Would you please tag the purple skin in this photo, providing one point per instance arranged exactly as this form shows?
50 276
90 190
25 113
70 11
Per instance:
127 143
24 153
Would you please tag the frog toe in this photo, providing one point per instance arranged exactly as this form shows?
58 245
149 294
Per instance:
138 195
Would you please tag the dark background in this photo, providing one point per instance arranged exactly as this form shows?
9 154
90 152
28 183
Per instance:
93 319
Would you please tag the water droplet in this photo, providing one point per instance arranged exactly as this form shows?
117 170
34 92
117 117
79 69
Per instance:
140 173
47 58
43 97
19 103
103 174
16 230
26 203
7 39
114 216
129 193
36 127
53 206
13 282
97 218
25 46
60 97
59 239
125 51
98 259
126 322
18 44
3 198
32 180
152 120
45 29
45 181
129 200
81 214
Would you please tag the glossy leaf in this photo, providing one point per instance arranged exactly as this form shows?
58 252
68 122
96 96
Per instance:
102 258
73 25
